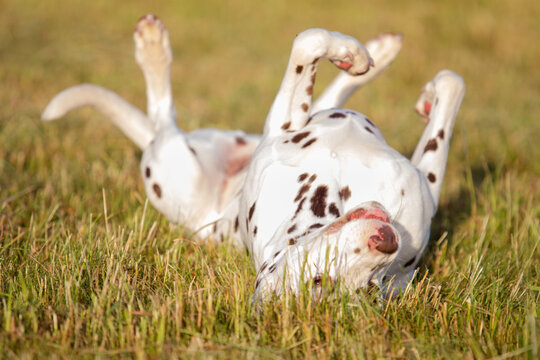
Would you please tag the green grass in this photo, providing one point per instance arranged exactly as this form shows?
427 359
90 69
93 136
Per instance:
89 269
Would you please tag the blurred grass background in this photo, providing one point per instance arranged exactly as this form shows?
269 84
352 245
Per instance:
229 58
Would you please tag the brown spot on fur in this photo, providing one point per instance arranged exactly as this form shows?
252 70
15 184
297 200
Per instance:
292 241
277 253
298 137
309 142
147 172
345 193
157 190
402 192
318 201
315 61
312 178
304 189
257 283
431 177
193 151
369 121
286 125
255 231
369 130
286 142
240 141
302 177
440 134
291 229
251 211
305 107
236 223
337 115
332 209
315 226
263 266
357 251
299 69
309 90
272 268
299 208
431 145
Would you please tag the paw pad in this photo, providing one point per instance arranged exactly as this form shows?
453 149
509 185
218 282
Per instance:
427 107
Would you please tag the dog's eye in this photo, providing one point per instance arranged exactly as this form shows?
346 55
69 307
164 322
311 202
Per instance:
317 280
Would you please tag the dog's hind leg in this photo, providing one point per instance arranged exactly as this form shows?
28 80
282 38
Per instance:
153 53
154 56
438 104
383 49
291 107
125 116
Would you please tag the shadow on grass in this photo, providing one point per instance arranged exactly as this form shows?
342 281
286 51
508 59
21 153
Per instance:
456 210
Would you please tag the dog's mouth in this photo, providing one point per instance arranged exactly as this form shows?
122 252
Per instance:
385 238
369 213
374 211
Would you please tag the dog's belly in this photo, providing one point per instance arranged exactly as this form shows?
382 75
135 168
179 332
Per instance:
307 187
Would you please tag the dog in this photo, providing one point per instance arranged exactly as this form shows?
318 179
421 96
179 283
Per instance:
325 197
193 178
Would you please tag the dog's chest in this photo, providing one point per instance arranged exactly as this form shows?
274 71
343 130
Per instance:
296 189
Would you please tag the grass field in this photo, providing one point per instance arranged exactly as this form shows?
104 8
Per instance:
89 269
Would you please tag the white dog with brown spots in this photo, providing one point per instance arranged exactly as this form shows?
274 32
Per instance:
193 178
326 197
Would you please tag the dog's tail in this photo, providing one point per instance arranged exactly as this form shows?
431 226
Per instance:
438 104
133 122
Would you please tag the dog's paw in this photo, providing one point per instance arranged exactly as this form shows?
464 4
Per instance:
384 48
348 54
152 46
344 51
446 81
425 101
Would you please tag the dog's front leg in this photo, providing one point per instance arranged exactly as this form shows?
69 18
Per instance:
439 103
383 49
292 105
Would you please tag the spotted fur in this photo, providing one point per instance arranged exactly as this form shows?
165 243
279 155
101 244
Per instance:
210 163
356 198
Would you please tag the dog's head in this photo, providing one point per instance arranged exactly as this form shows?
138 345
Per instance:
353 250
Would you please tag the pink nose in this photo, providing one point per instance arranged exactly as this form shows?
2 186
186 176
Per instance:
385 242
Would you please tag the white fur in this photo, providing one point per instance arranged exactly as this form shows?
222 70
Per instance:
193 178
310 172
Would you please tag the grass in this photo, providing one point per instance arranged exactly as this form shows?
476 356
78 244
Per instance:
89 269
